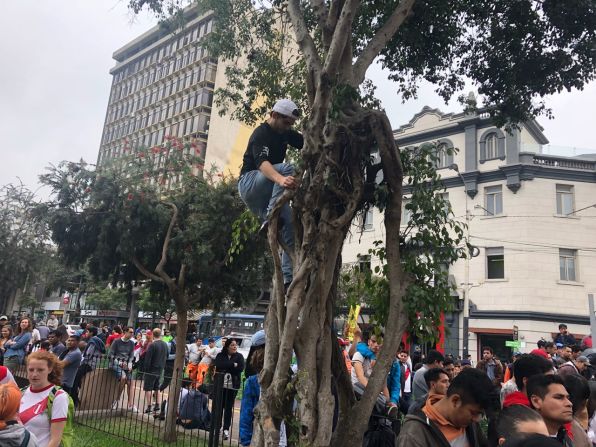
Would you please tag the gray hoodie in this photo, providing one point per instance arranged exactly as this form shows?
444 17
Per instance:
12 436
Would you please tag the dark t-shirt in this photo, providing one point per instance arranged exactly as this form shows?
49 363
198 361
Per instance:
73 358
267 144
156 356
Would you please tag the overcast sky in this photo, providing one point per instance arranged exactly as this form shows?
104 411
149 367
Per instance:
55 81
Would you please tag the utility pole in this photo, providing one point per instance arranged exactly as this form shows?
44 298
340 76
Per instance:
592 316
466 285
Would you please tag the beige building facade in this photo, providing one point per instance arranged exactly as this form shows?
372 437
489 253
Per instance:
162 85
531 217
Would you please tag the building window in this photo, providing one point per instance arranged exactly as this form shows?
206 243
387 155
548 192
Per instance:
406 212
446 203
493 200
564 199
444 155
495 263
367 218
364 263
492 145
567 264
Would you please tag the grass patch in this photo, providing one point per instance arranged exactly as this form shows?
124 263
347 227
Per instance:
113 432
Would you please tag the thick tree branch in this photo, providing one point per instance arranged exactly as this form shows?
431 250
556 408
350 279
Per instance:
304 39
380 39
166 243
341 37
322 12
141 268
182 277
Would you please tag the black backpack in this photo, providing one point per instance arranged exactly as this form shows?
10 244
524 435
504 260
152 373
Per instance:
380 433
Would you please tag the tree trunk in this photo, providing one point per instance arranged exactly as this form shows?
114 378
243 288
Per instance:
329 197
178 373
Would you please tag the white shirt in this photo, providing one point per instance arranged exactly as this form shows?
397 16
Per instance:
209 355
366 366
33 412
194 353
6 376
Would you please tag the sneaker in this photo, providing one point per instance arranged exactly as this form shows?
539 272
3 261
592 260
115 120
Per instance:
226 434
148 409
156 407
133 409
115 405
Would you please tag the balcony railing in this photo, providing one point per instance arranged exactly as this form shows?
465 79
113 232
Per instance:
554 161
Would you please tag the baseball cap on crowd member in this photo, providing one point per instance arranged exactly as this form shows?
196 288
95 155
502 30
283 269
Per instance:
540 352
286 107
258 339
583 359
3 317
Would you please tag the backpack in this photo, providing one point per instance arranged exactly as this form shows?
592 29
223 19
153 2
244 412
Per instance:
67 434
379 434
194 407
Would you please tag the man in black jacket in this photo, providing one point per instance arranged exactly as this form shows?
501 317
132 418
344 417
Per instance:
452 419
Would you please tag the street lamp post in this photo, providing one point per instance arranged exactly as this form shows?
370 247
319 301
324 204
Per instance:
466 284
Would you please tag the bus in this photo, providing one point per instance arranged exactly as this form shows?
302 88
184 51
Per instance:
218 325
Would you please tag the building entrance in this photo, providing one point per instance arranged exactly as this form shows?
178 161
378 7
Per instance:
497 342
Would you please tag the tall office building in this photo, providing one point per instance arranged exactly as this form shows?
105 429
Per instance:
162 86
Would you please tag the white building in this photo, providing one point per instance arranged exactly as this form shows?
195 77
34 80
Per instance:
531 217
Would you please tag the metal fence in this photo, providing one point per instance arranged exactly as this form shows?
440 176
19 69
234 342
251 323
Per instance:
103 403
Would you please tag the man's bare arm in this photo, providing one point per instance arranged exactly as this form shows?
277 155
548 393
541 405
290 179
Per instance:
269 171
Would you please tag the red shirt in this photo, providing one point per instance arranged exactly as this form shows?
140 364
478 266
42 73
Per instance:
111 338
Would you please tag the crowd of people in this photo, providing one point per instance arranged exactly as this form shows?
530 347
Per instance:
545 397
55 365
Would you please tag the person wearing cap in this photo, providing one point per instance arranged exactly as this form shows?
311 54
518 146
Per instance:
252 391
576 366
264 175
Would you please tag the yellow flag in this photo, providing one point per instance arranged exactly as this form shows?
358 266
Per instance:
352 320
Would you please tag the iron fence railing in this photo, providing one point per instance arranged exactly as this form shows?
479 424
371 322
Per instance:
125 410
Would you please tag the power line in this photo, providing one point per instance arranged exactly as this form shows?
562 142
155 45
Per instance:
534 244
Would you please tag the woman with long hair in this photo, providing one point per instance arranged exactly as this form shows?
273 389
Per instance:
15 347
230 363
5 335
12 434
44 372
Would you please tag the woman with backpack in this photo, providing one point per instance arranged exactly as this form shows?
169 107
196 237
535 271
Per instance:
230 363
46 409
12 434
15 348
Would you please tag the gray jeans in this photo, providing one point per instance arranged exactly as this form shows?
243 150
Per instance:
260 195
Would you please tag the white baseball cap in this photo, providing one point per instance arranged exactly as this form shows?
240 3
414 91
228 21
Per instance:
287 107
